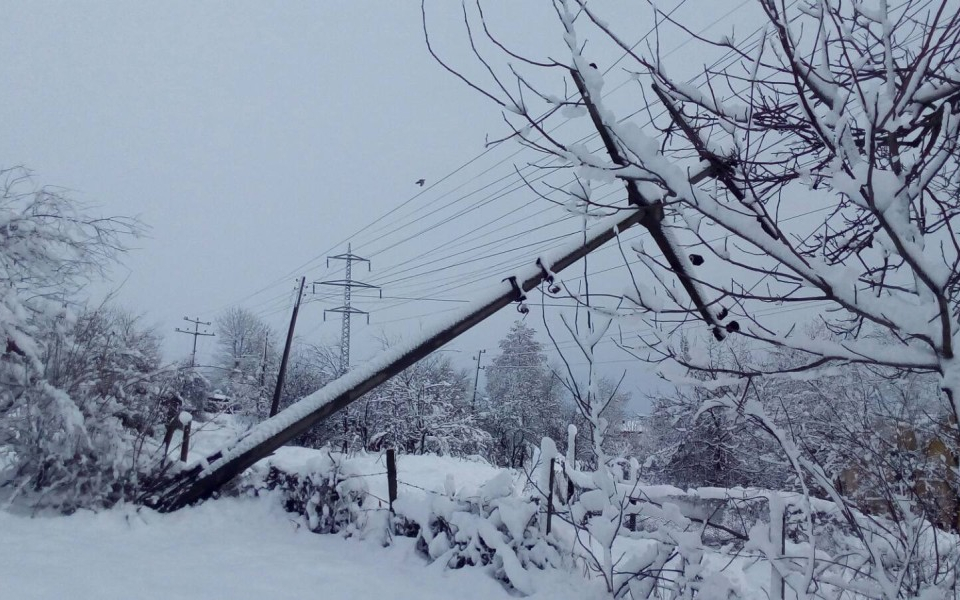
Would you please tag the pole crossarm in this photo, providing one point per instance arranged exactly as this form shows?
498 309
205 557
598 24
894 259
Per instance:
195 333
653 218
349 256
204 479
347 283
346 310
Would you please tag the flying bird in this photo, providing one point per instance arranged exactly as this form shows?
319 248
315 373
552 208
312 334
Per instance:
420 182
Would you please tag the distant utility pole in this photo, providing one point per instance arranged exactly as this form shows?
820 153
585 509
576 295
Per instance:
275 404
195 333
476 380
263 361
346 310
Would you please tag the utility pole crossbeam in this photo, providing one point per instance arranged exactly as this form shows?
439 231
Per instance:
195 333
346 310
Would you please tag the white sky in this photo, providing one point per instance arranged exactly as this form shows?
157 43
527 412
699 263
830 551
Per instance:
254 138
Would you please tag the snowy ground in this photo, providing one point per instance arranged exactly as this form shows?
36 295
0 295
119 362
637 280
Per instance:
247 548
250 548
233 549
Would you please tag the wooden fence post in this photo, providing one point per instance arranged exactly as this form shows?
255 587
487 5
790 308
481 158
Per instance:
172 427
185 445
778 521
550 497
392 476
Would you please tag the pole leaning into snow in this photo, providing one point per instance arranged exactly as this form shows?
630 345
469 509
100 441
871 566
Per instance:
199 482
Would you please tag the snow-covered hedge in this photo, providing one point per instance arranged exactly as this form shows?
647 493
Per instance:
327 494
633 538
494 526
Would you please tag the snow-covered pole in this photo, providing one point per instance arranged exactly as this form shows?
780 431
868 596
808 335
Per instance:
778 544
171 492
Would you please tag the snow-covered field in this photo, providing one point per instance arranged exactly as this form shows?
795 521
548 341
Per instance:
250 548
246 548
233 549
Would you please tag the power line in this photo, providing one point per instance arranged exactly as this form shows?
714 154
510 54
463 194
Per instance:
458 169
459 277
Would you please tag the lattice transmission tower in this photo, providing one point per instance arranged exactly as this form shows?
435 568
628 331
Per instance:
347 310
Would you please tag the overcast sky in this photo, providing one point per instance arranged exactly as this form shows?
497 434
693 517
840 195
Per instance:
255 138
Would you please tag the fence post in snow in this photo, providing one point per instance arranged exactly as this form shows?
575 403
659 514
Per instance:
778 518
168 438
185 445
550 496
391 476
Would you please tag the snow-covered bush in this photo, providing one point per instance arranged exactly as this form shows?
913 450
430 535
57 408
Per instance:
105 372
67 435
496 526
327 493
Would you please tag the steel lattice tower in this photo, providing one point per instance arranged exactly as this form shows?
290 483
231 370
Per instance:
346 310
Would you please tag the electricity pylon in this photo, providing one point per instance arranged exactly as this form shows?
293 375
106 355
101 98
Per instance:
346 310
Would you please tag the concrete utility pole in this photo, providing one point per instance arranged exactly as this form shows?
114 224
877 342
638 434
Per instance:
263 361
198 482
195 333
346 310
476 380
275 403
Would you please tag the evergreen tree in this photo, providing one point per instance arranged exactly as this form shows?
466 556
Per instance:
522 403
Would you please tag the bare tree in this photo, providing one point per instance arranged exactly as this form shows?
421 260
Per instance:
246 360
824 154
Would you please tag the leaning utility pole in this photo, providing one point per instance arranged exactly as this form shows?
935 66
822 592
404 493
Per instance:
195 333
275 404
476 380
171 491
346 310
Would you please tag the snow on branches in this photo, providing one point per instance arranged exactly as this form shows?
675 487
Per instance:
813 166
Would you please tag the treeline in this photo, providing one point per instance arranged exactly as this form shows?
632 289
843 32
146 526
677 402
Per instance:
876 435
432 407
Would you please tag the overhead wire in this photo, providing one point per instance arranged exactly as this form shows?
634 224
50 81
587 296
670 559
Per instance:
495 254
420 194
582 139
460 276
